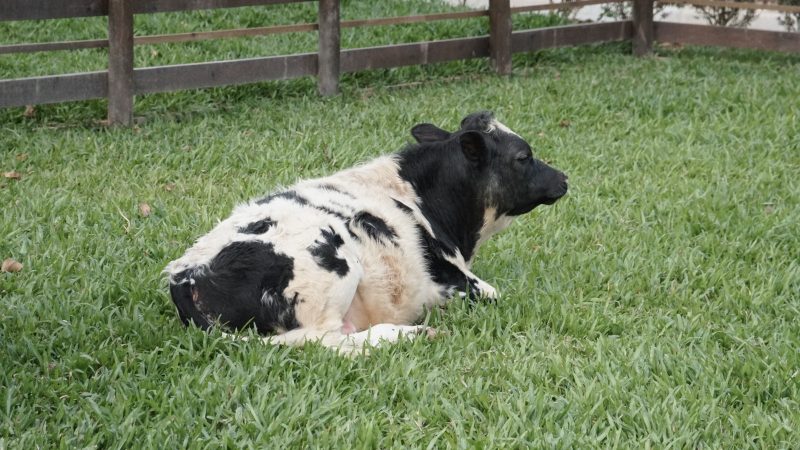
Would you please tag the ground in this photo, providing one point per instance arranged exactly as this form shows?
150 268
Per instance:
656 305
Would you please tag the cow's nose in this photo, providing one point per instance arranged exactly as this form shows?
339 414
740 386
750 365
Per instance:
564 186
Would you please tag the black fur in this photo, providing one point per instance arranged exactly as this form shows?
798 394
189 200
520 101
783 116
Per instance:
324 252
426 132
332 212
442 272
230 290
288 195
182 293
375 227
402 206
257 227
450 194
478 121
473 291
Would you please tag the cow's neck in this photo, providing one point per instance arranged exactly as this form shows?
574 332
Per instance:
449 199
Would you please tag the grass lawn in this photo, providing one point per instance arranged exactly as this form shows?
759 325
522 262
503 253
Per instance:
657 305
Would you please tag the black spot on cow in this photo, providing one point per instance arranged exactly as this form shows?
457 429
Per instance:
288 195
300 200
242 286
257 227
375 227
331 212
325 251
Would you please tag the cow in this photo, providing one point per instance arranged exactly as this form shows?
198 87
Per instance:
355 259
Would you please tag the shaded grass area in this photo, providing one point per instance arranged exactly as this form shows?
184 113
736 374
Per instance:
656 305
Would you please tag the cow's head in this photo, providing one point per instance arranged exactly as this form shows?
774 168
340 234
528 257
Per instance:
512 180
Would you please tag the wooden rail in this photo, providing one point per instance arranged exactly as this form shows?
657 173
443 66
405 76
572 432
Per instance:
122 81
62 9
727 37
735 5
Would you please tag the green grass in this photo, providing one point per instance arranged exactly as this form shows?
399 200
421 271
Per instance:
657 305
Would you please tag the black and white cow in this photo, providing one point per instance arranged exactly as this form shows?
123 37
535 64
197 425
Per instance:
357 257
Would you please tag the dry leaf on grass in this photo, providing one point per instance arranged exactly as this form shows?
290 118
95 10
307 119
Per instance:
169 187
144 209
30 111
10 265
14 175
22 157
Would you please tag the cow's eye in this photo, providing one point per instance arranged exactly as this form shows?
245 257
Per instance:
523 157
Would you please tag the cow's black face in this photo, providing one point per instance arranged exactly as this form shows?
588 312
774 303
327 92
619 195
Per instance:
512 180
526 182
518 181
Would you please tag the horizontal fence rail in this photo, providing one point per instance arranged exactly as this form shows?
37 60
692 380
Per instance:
55 9
123 81
54 89
735 5
684 33
569 35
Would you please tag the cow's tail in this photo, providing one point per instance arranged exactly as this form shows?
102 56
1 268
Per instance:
183 295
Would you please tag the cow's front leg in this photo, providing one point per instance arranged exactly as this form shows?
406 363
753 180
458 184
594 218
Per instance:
459 279
484 289
478 288
471 287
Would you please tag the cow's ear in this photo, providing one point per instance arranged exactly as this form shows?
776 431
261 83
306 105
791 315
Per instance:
426 132
477 121
474 147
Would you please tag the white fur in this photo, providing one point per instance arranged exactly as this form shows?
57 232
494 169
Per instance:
495 125
491 226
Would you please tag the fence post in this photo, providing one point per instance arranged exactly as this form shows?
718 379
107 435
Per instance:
500 35
642 27
120 62
329 47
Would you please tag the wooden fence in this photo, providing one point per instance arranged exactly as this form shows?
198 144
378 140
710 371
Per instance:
122 81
